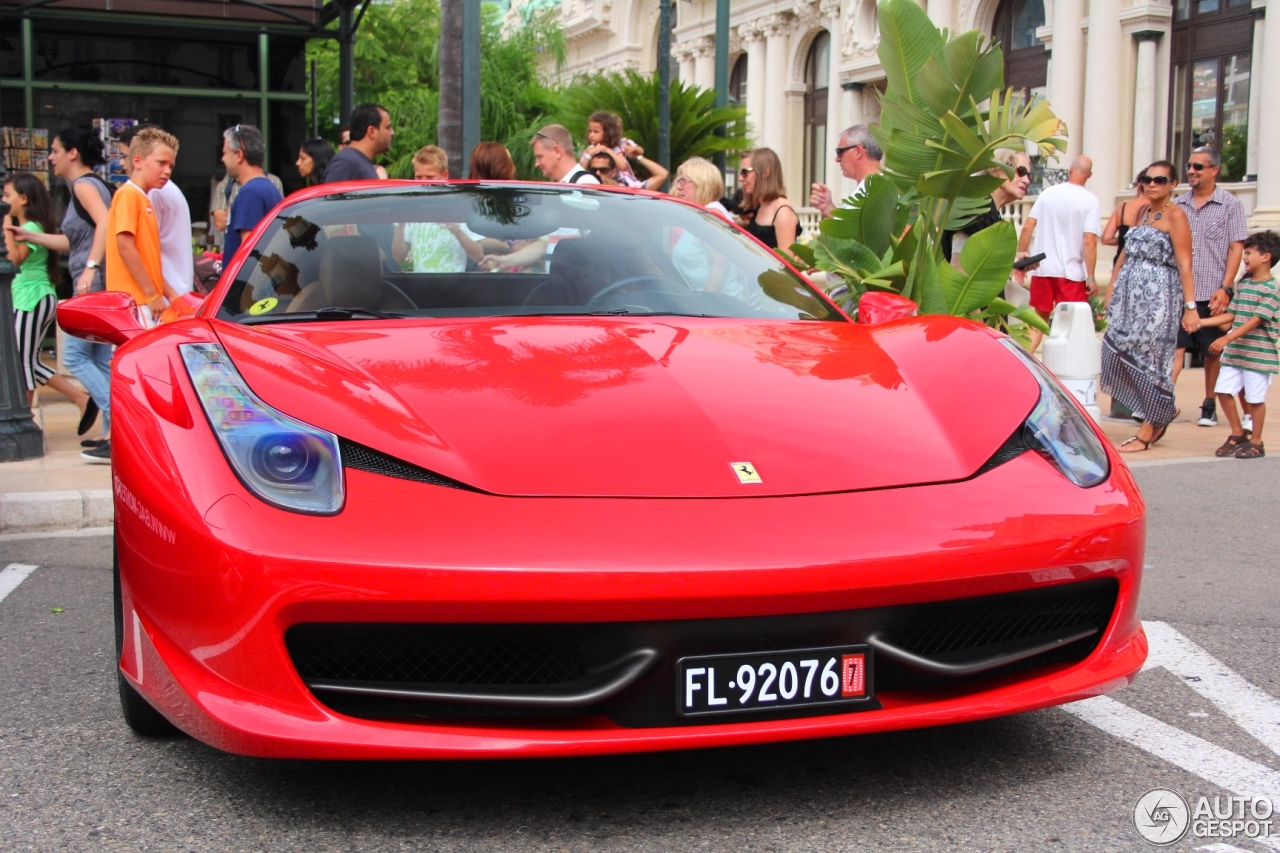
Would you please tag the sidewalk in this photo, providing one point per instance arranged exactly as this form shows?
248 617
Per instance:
62 491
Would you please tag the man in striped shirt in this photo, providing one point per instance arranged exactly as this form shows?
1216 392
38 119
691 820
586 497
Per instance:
1249 358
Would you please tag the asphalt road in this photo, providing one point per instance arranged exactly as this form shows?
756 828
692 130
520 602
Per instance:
72 777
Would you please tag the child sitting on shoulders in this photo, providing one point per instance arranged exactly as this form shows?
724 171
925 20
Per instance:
604 136
1249 359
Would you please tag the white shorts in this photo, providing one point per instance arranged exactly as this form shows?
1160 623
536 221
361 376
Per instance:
1232 379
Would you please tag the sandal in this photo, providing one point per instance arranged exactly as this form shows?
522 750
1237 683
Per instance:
1232 445
1249 450
1146 445
1158 433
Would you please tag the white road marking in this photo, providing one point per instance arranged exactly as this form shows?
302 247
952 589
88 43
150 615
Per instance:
1194 755
1252 709
13 574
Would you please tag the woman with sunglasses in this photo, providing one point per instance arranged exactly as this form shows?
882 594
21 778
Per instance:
1125 217
1143 310
768 215
1013 189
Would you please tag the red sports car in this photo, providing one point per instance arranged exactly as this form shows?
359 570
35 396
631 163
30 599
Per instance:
477 469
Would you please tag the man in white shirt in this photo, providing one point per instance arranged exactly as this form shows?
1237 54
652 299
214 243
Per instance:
858 157
177 258
553 154
1065 222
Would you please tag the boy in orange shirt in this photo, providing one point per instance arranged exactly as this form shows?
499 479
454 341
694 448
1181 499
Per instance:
133 233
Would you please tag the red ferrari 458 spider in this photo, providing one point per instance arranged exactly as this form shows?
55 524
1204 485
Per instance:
478 469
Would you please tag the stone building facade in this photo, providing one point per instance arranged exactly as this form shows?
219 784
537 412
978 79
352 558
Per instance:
1134 80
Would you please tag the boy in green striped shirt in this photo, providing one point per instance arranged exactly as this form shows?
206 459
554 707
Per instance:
1249 358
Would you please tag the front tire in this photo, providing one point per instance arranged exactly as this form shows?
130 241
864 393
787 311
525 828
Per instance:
137 712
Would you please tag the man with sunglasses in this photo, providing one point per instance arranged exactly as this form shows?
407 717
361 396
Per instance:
1218 231
859 158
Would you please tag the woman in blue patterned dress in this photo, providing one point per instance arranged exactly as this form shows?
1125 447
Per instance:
1146 301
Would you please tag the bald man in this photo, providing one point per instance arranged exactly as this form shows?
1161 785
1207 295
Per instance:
1065 223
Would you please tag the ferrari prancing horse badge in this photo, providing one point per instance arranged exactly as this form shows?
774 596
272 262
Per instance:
746 472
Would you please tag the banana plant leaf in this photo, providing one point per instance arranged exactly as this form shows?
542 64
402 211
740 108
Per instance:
987 259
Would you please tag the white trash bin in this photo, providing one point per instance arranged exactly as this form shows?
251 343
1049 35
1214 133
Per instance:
1073 353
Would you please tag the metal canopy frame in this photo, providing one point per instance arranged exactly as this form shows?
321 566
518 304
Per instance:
347 13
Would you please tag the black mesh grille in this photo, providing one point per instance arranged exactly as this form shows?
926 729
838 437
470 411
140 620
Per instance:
1013 447
367 459
407 654
960 626
531 654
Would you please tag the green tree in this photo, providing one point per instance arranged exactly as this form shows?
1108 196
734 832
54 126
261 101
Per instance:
944 114
396 65
634 97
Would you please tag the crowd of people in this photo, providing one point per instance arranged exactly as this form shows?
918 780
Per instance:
1187 250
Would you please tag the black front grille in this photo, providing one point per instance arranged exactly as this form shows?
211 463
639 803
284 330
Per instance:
968 624
541 654
415 654
376 462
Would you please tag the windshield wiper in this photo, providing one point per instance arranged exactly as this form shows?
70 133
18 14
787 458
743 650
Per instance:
323 314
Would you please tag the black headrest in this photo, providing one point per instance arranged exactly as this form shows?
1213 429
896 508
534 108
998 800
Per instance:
351 273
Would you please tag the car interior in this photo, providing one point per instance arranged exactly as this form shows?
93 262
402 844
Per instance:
338 255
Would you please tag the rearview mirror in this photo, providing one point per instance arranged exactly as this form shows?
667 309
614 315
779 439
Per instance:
107 317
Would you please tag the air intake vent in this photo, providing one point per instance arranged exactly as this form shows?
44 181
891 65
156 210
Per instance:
367 459
1013 447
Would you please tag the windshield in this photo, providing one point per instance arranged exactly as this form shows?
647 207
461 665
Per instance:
508 250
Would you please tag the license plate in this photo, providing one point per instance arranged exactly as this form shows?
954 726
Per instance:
799 678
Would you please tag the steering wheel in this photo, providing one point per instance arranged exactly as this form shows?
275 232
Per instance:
635 279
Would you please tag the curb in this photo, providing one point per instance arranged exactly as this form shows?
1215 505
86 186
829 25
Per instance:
30 512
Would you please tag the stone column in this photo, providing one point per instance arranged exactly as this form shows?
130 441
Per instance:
941 13
684 55
1102 114
774 132
704 63
1255 94
1066 72
753 38
1267 213
1144 98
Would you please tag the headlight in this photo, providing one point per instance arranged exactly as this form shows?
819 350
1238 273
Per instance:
283 461
1058 431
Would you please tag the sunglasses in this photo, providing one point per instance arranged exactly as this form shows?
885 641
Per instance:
840 151
1022 172
746 170
1158 180
600 171
1197 167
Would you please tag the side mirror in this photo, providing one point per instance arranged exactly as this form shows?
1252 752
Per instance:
107 317
876 306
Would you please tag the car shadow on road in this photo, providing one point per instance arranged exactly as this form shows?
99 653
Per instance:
887 776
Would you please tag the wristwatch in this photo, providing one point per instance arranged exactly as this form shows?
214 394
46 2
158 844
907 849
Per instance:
91 264
1231 291
1190 306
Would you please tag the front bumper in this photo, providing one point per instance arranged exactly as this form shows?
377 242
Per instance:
211 587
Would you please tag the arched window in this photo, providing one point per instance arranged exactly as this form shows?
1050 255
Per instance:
1026 62
738 80
817 74
1212 64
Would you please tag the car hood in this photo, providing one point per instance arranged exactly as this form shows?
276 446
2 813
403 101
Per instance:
660 407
